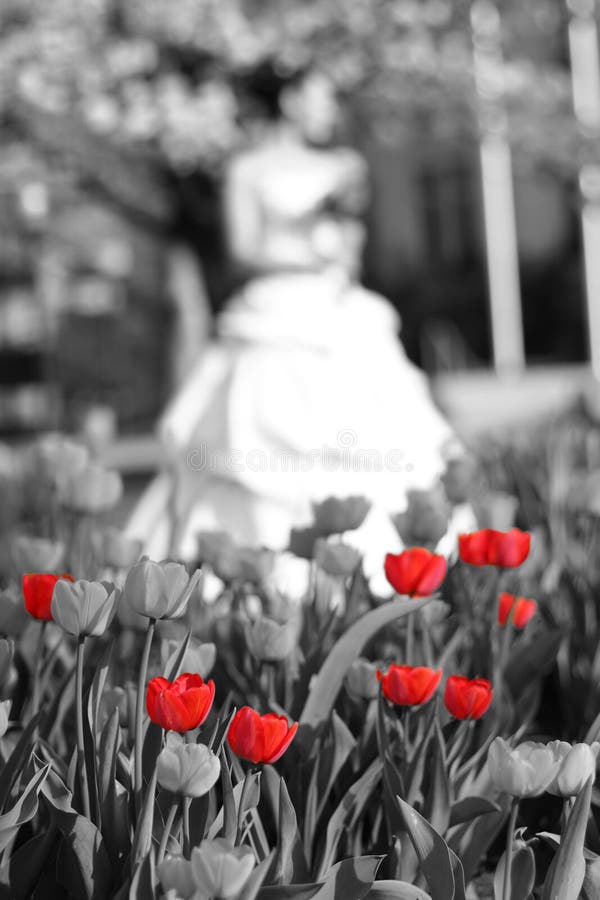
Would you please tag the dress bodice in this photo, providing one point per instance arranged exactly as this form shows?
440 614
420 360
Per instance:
288 191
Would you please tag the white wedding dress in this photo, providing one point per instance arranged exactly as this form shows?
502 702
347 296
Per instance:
306 392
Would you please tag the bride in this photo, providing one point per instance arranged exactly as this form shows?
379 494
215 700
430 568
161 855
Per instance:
306 391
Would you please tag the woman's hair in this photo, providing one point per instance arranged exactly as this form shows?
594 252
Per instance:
264 86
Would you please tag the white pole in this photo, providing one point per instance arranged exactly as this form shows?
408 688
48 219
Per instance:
585 79
498 194
589 183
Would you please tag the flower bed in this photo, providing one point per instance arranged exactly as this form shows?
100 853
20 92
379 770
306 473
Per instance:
262 725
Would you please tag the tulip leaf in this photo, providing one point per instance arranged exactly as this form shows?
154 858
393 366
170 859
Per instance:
522 874
437 800
350 879
433 853
82 866
290 863
231 800
530 660
348 811
24 809
96 690
310 812
217 738
567 872
115 822
21 872
396 890
591 883
288 892
471 840
151 748
328 682
593 732
144 884
173 671
142 839
109 746
343 745
470 808
16 761
257 876
249 799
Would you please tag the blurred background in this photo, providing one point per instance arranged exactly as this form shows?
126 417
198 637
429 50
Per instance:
479 123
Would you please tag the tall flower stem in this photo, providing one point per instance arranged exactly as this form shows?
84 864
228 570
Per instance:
506 888
410 639
139 713
167 831
39 662
185 805
85 794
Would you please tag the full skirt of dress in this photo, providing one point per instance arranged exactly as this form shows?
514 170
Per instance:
305 393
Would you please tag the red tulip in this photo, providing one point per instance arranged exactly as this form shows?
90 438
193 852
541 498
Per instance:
179 705
507 549
467 698
520 610
416 572
261 739
409 685
37 593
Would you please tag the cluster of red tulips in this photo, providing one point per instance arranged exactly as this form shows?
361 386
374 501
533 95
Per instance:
417 572
184 704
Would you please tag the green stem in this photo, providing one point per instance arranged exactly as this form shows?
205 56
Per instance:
506 889
427 642
186 803
410 639
167 831
85 794
139 713
39 661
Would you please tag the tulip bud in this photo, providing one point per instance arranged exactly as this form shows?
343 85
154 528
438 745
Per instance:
13 615
198 657
176 878
33 554
84 607
270 642
466 698
488 547
336 515
179 705
118 550
220 870
409 685
92 490
187 769
337 559
577 764
231 562
38 588
302 542
425 520
525 771
361 680
5 707
416 572
260 739
57 459
159 590
519 610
